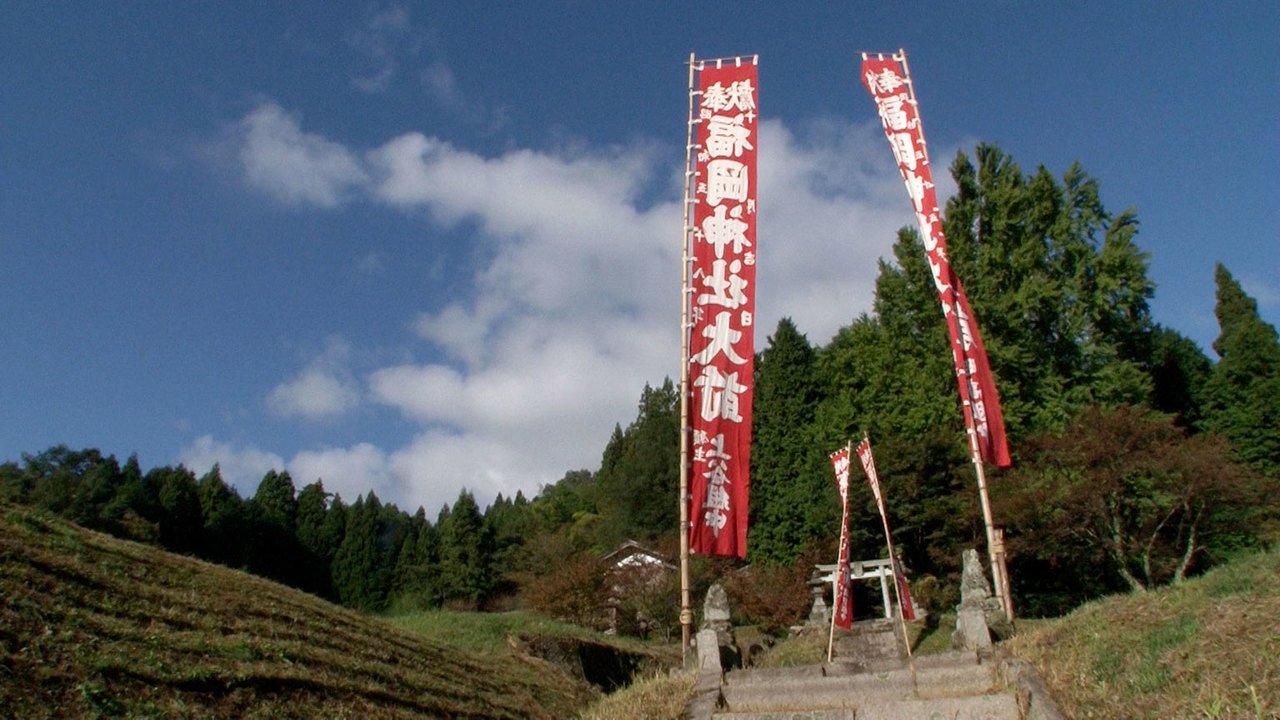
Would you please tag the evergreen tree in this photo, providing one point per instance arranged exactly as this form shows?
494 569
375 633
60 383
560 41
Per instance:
466 554
559 504
94 489
1180 373
417 565
225 520
509 523
361 573
1058 285
178 498
133 509
793 496
275 501
318 536
640 472
1243 395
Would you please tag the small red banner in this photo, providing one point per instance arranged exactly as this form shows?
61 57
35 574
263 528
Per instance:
887 81
722 306
842 600
869 467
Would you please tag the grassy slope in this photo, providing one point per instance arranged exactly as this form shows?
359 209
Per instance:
91 626
1209 648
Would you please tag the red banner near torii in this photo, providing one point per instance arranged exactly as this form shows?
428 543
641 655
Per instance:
721 299
887 81
900 579
842 598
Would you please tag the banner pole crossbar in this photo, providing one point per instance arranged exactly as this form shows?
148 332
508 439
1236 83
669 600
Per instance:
736 60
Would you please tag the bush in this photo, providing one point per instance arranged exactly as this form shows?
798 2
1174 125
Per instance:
772 597
576 591
935 596
647 602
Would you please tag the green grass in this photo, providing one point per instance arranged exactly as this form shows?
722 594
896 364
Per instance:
1209 648
95 627
490 632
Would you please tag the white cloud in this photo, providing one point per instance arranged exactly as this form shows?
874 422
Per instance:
241 468
577 305
314 394
349 472
322 390
293 166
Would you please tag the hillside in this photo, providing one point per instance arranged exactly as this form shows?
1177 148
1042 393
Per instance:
92 626
1208 648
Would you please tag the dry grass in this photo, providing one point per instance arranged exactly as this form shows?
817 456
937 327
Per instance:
91 626
660 697
1209 648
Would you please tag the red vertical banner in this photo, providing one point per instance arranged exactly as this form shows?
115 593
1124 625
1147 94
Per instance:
721 299
887 81
842 599
900 578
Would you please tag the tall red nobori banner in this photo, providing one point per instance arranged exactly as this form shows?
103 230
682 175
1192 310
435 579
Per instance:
887 81
721 297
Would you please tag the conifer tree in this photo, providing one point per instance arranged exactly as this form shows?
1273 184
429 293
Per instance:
640 473
178 498
318 537
466 554
224 520
1243 395
793 497
275 500
361 574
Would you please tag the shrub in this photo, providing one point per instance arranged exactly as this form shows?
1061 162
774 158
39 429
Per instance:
576 591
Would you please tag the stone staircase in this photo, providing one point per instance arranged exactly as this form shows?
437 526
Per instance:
871 679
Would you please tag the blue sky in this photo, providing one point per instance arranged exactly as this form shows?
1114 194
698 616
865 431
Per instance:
417 247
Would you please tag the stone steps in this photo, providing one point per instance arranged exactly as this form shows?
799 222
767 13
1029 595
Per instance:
952 686
978 707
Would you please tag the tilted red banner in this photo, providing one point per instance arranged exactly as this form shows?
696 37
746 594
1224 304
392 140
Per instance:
722 306
887 81
842 600
900 578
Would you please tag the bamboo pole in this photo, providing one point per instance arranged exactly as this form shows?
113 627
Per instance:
995 553
686 612
893 561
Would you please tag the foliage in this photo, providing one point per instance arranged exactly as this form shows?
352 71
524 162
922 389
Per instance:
771 597
787 470
466 554
1127 490
574 591
639 472
646 602
361 573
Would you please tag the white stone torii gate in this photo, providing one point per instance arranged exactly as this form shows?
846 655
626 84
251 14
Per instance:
859 570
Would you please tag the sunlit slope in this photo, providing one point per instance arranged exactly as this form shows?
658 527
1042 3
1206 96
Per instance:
91 626
1208 648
